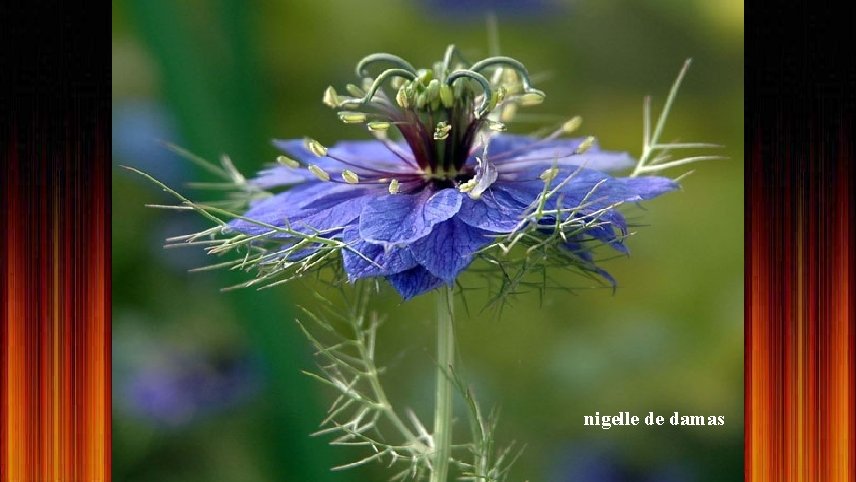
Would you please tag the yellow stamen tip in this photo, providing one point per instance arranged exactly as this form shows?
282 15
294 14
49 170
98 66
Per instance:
319 173
350 177
287 161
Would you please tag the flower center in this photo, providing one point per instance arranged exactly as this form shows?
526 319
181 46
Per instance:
443 112
442 179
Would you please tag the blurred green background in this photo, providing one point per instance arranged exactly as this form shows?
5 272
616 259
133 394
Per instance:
207 384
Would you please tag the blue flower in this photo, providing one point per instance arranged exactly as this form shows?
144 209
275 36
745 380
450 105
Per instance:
418 210
183 387
429 231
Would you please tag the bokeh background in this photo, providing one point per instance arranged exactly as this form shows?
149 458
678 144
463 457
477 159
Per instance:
207 384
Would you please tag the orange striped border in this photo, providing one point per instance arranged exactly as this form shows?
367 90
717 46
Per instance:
800 397
55 392
55 316
800 373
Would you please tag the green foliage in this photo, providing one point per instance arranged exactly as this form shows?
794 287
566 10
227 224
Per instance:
344 337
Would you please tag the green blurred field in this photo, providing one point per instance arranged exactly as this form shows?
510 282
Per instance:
221 77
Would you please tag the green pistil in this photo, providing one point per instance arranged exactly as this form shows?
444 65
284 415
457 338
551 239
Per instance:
441 110
441 174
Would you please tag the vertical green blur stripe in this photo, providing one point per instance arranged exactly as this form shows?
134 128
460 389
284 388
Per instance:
209 68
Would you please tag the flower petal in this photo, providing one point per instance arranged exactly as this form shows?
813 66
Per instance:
307 208
362 157
275 176
508 145
485 176
547 157
383 261
297 149
375 155
372 154
607 235
648 187
278 175
584 254
498 210
414 282
595 189
511 152
333 212
609 228
404 218
449 248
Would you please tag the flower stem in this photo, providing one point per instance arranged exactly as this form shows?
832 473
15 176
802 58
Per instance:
443 408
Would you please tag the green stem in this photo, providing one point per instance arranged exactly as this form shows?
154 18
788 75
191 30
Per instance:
443 408
382 400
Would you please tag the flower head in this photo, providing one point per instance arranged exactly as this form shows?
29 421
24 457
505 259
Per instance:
418 209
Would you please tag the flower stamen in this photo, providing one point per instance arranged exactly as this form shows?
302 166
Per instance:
319 173
287 161
585 145
315 147
350 177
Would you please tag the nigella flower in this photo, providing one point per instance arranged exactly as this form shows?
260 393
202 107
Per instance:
417 210
181 387
604 462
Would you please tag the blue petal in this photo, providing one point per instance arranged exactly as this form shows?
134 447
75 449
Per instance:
358 155
307 208
575 246
498 210
449 248
383 261
505 144
597 192
272 211
607 235
547 157
521 192
575 181
511 152
414 282
362 157
374 155
606 277
333 212
610 229
281 176
648 187
404 218
296 148
585 255
597 189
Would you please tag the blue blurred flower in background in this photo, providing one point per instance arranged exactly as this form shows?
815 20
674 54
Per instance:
139 129
176 387
605 462
469 10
